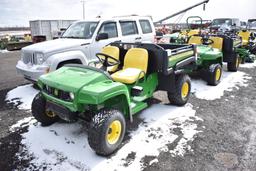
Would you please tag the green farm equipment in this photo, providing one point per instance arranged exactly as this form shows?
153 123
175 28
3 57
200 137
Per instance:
226 44
248 48
209 59
130 74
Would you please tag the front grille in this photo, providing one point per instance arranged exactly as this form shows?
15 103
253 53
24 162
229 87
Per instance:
60 94
28 57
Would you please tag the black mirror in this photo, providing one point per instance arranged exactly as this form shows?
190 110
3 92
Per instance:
63 29
102 36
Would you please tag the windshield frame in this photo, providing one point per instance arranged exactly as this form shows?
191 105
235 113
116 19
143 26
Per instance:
71 35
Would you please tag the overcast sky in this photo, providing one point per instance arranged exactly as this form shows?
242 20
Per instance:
19 12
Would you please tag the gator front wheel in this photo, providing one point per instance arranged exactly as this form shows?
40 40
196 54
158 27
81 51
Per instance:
215 72
40 113
181 94
106 131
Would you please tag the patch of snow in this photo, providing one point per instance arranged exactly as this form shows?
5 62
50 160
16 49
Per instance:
4 51
152 137
229 81
22 96
248 65
22 123
64 146
153 161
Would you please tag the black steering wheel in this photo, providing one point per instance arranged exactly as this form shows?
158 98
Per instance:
104 59
207 41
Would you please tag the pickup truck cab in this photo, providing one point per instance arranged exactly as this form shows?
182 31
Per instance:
225 25
80 42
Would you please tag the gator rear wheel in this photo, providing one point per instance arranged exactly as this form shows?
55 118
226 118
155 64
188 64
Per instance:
215 72
182 92
233 66
40 113
106 131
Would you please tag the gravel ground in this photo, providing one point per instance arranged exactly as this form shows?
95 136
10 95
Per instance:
228 140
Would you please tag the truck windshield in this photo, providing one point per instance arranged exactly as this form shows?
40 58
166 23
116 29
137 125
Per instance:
219 22
80 30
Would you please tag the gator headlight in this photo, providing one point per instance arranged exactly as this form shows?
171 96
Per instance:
71 95
39 57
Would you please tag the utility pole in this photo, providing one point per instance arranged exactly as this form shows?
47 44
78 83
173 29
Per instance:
83 3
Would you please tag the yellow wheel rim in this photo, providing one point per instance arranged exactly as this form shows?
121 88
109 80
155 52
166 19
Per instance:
114 132
218 74
185 90
50 114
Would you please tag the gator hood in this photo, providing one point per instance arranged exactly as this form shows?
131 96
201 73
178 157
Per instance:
72 79
56 45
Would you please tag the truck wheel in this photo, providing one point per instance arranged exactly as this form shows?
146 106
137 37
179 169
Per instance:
215 72
233 66
182 92
41 115
106 131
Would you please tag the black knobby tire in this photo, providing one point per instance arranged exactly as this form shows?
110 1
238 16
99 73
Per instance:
176 96
98 131
39 111
213 77
234 65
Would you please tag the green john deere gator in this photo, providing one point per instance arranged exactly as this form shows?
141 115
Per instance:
248 48
209 59
104 97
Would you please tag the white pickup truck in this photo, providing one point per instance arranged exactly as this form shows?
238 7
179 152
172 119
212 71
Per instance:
80 42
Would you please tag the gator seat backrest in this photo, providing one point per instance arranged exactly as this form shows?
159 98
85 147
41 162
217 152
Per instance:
217 42
136 58
135 66
195 40
114 52
245 35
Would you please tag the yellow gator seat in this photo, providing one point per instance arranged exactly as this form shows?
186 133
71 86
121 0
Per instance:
114 52
217 42
193 32
195 40
245 36
135 66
